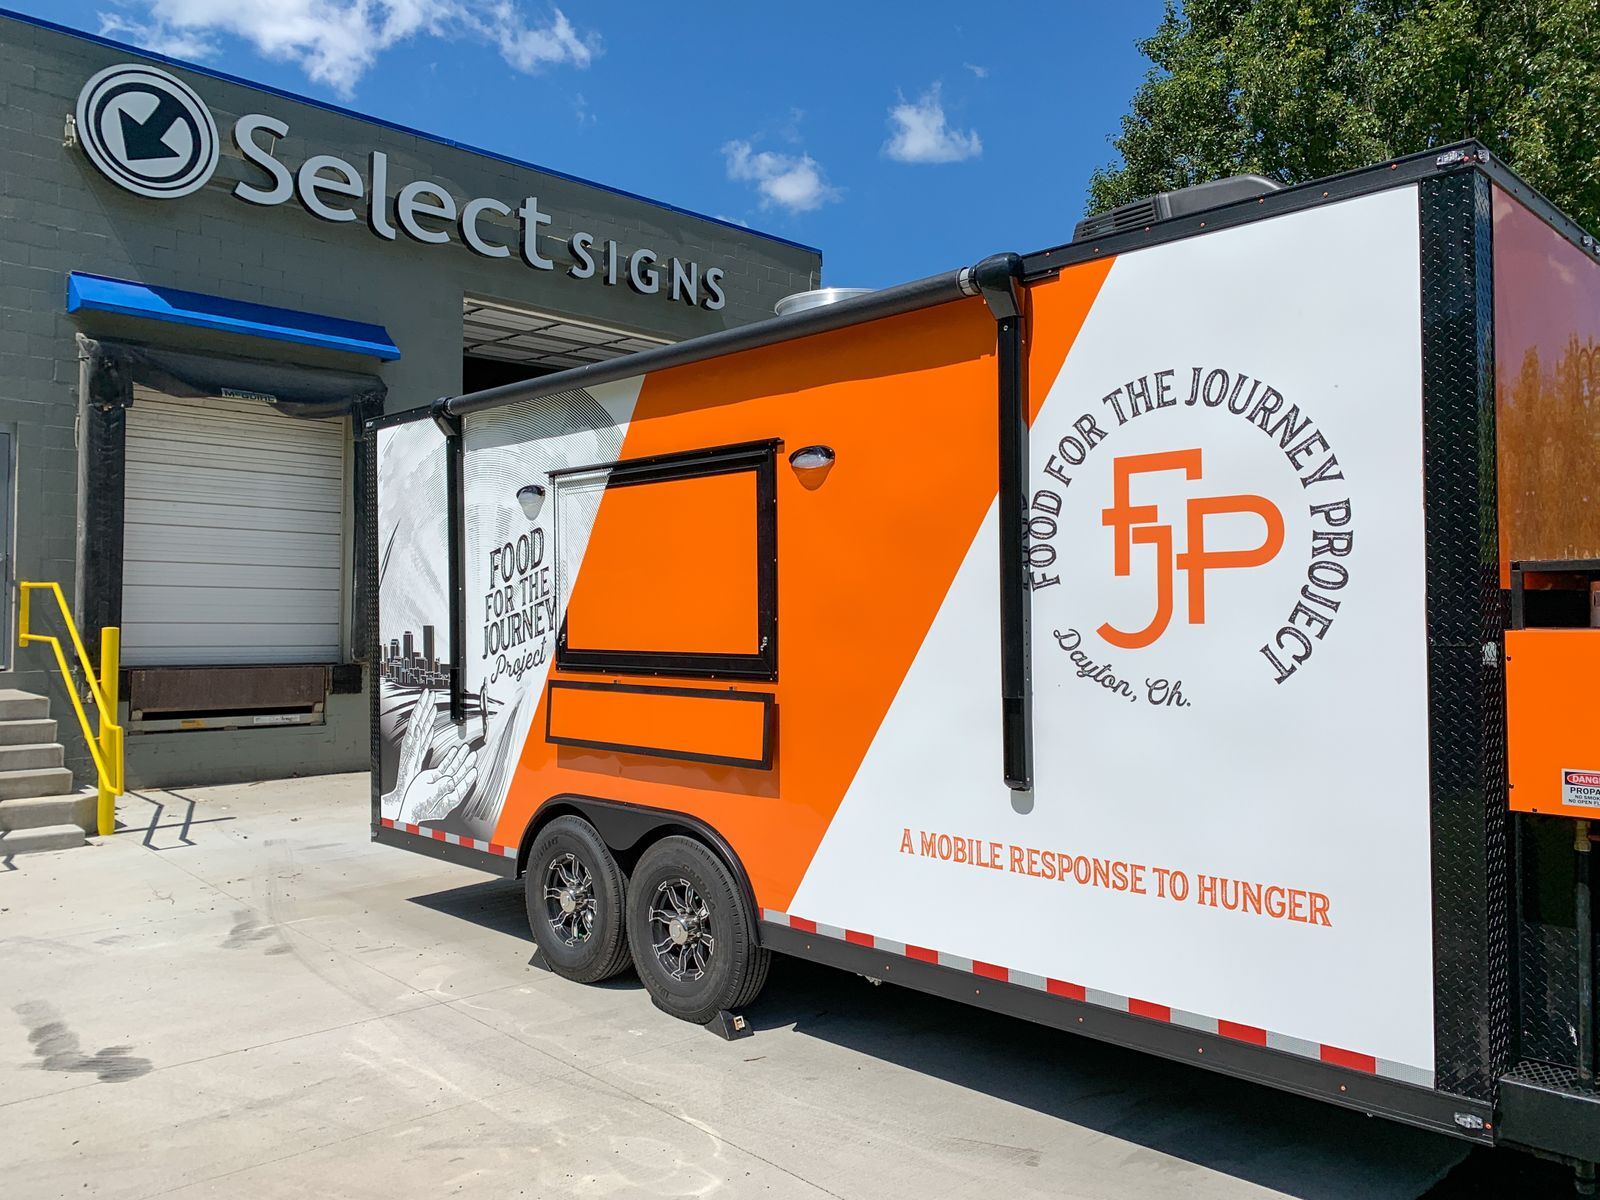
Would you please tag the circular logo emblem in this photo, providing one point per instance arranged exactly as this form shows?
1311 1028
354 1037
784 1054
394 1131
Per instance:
147 131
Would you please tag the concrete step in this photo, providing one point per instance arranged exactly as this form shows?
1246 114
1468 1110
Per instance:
35 781
48 837
22 706
27 732
22 757
37 812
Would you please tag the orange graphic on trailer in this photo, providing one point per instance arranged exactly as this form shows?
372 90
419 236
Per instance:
689 629
1140 524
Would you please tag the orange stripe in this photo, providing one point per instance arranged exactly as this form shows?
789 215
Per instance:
908 406
1057 311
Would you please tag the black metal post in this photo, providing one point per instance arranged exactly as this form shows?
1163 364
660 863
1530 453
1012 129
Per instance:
455 543
1016 692
996 278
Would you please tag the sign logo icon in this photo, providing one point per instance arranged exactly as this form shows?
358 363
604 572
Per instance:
147 131
1141 525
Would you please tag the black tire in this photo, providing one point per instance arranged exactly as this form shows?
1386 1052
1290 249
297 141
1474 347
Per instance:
692 979
586 943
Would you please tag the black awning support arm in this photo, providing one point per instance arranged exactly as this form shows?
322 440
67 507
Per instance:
455 543
998 281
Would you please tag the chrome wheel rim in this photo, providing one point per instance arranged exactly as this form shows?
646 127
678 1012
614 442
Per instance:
680 930
569 899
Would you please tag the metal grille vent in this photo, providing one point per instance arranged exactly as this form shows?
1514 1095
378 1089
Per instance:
1134 215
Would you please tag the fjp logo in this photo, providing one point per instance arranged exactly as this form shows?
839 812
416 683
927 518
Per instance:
1140 524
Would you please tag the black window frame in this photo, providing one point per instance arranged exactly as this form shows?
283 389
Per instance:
757 457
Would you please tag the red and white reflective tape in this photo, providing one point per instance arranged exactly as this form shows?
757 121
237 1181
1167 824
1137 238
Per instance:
1333 1055
439 835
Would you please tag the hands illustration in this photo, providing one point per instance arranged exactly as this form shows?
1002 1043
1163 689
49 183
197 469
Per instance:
426 795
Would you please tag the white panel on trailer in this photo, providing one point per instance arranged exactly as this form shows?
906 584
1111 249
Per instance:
1184 777
233 546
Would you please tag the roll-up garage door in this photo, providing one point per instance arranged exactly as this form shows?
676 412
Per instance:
233 539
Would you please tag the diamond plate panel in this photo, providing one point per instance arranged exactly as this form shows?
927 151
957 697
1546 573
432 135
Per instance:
1466 623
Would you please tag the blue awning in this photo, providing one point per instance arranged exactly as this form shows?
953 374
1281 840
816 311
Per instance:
97 293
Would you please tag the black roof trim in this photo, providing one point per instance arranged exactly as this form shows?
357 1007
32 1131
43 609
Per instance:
1537 203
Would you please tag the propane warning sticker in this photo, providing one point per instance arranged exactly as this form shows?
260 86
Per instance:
1581 788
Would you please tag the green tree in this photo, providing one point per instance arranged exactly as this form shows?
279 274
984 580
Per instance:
1296 89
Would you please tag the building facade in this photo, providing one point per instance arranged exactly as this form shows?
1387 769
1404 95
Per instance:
205 288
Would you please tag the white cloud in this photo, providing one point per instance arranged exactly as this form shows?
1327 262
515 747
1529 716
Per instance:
178 43
527 48
980 72
921 134
336 41
792 181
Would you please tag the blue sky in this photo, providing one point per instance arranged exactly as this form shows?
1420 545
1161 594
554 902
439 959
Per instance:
899 137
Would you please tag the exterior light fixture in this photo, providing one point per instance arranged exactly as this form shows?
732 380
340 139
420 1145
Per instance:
531 497
812 458
811 465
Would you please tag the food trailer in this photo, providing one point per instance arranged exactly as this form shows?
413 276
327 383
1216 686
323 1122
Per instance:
1181 636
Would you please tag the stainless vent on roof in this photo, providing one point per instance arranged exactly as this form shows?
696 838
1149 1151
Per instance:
801 301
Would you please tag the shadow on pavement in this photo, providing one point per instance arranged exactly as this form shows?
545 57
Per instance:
1300 1147
493 904
185 822
1504 1175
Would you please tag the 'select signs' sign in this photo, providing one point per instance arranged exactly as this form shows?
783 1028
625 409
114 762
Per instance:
148 132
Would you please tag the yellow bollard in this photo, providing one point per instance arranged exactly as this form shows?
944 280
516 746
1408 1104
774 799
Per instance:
110 743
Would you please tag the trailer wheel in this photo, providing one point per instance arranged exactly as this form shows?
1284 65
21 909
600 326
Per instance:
577 902
690 931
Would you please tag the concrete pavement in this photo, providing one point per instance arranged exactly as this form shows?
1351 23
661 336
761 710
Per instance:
241 996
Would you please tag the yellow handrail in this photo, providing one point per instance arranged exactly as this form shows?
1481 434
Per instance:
105 744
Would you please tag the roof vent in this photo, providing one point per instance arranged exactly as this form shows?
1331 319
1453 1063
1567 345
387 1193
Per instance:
1136 214
801 301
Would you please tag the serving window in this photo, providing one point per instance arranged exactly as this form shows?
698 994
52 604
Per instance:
668 565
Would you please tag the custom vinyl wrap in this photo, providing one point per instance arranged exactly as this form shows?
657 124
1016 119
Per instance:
1225 782
1172 771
